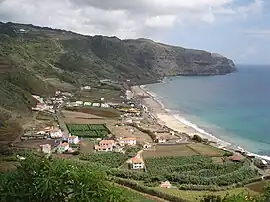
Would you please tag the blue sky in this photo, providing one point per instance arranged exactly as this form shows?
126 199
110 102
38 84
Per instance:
238 29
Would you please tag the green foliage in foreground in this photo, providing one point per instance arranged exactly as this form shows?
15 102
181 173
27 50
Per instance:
45 180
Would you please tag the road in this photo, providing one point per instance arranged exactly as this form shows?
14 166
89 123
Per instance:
59 117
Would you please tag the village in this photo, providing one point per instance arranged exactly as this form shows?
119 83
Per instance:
99 130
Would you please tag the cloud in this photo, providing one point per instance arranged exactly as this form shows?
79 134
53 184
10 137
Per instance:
123 18
258 33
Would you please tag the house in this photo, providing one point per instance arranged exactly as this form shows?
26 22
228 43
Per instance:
105 148
127 141
129 94
46 148
56 133
235 158
162 139
96 104
79 102
86 88
137 163
104 105
62 147
165 184
73 139
87 103
105 145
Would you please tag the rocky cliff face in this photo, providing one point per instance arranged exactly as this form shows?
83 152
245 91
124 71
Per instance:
36 60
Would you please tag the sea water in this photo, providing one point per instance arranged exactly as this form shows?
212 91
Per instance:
234 107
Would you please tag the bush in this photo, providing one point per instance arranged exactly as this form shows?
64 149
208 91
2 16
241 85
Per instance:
197 138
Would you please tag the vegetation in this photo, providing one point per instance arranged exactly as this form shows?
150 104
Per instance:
107 159
42 179
88 130
197 138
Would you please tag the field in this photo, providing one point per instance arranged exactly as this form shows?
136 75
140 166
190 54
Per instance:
108 159
206 150
102 112
86 146
170 150
258 186
198 172
88 130
195 196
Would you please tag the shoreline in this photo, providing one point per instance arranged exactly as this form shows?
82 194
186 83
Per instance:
175 122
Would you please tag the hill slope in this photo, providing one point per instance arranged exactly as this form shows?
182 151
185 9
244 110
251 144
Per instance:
36 60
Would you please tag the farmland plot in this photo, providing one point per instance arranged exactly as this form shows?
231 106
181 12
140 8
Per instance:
88 130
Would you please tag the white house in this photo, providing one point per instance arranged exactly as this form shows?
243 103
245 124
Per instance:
79 102
105 145
128 141
104 105
62 147
73 139
45 148
137 163
96 104
162 139
129 94
87 103
56 133
86 88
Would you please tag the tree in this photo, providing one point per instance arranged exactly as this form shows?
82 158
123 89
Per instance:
197 138
49 180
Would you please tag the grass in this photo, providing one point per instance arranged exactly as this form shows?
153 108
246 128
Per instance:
172 150
206 150
195 196
258 186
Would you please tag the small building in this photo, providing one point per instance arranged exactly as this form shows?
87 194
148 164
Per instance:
62 147
264 162
128 141
235 158
165 184
46 148
56 133
104 105
137 163
162 139
86 88
95 104
73 140
87 103
79 102
107 143
172 133
106 148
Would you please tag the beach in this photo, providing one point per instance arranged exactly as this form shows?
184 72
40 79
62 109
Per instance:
157 110
180 124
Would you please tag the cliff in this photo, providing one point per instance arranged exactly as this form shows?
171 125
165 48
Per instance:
38 60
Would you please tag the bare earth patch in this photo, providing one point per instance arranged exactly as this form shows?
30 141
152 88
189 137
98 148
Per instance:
169 150
206 150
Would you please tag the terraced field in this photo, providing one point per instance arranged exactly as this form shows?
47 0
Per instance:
88 130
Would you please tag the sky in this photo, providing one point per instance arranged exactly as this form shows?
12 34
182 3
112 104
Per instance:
238 29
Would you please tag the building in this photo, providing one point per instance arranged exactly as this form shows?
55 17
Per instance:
129 94
62 147
104 105
45 148
105 145
79 102
55 133
235 158
87 103
73 140
127 141
137 163
162 139
86 88
165 184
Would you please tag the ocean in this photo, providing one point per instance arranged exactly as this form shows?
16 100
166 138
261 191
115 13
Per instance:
234 108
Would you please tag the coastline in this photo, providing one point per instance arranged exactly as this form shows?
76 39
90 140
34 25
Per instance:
180 124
